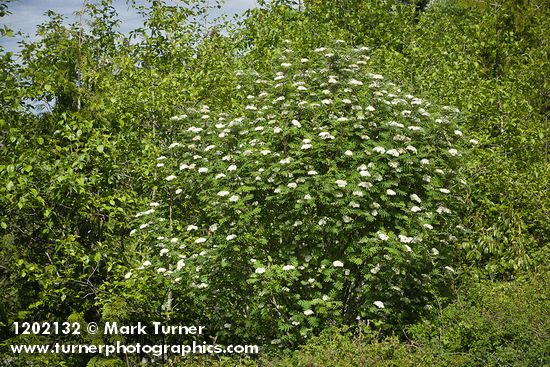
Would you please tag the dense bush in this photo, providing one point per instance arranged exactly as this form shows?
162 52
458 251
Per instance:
328 195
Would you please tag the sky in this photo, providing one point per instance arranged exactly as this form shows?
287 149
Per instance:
27 14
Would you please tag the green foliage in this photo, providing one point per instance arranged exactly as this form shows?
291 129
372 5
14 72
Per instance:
494 324
63 199
490 324
86 112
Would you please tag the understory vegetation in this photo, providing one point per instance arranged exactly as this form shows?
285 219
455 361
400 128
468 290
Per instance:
347 183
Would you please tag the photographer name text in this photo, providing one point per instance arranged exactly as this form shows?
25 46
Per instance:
157 328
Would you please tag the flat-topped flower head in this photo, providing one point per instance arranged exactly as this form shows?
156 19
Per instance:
341 183
383 236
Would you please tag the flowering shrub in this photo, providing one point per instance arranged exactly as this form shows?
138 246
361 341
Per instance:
328 195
